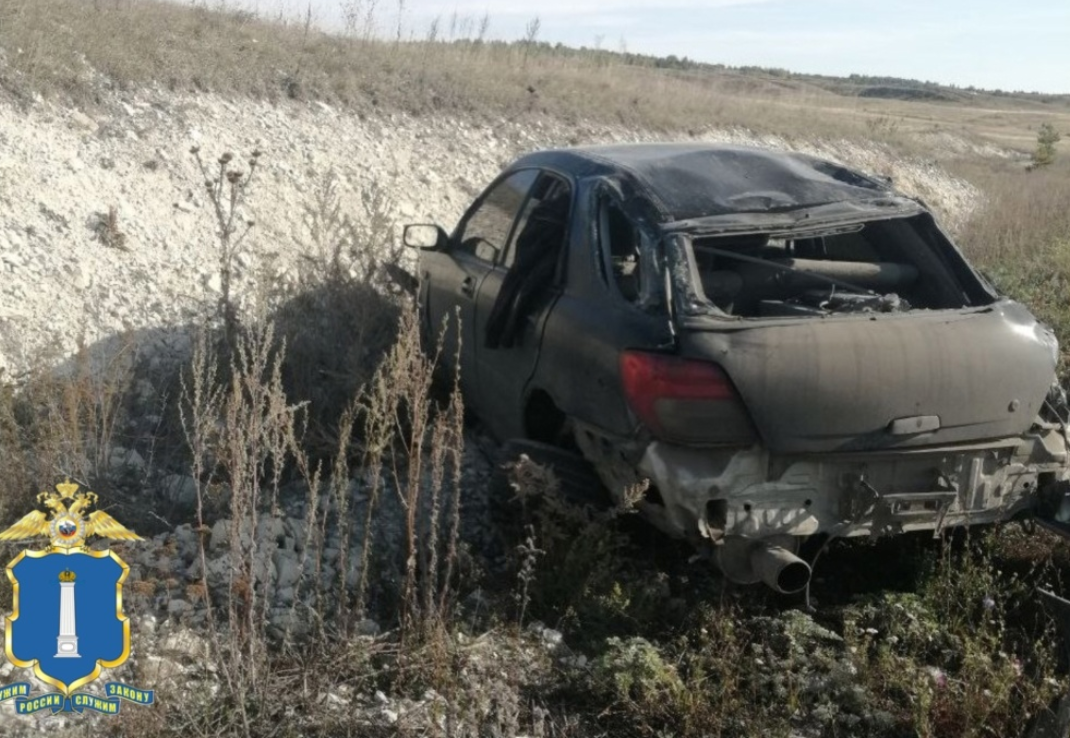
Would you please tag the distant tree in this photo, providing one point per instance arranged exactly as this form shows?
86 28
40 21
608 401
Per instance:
484 25
531 30
1044 154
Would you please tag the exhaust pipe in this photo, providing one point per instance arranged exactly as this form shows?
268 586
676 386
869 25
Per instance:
779 568
749 561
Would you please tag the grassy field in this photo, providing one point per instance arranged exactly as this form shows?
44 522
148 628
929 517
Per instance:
909 638
76 49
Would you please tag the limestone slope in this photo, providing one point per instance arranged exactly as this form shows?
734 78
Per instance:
62 171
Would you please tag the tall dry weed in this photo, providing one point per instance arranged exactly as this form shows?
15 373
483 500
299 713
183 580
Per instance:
227 184
341 317
419 439
242 433
67 420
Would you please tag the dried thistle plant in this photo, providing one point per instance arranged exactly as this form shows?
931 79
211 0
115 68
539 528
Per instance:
227 187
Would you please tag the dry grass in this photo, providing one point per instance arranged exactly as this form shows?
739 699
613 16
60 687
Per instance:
65 422
84 49
1020 236
1025 215
247 441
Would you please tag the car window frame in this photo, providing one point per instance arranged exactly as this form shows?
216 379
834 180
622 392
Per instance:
462 224
602 197
510 249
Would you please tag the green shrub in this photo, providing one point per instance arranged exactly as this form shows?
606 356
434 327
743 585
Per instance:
1044 153
959 657
632 670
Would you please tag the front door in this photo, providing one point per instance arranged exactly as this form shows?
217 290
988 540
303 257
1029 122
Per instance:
514 300
454 276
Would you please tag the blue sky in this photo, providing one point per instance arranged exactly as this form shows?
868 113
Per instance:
1006 45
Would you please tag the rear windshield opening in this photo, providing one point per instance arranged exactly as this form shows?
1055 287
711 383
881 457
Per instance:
881 266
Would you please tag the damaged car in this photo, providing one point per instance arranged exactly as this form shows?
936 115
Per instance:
778 348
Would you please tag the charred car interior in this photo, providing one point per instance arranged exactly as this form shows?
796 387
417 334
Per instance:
780 349
887 266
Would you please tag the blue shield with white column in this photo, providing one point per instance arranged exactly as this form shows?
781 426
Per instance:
67 622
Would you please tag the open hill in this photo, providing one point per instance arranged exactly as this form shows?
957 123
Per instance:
79 50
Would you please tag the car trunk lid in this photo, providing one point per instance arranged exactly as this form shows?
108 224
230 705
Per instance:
865 382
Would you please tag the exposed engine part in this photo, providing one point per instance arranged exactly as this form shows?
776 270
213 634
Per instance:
814 302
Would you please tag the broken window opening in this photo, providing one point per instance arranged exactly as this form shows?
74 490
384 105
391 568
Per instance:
533 259
541 226
630 255
883 266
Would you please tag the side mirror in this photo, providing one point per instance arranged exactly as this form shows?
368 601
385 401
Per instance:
427 236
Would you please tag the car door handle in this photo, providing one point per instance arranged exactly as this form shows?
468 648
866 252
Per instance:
468 286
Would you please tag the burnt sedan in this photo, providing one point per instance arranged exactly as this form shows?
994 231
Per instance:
778 346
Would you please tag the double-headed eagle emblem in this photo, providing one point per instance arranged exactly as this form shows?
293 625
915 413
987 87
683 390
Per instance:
68 526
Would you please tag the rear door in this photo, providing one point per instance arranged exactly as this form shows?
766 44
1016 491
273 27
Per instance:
454 276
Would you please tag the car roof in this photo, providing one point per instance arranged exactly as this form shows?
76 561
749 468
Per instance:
685 181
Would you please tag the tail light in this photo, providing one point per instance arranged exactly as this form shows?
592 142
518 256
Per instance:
685 400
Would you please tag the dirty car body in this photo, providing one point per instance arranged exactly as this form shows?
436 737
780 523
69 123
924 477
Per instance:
784 348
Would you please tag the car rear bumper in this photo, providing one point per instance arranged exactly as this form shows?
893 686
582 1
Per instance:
710 495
